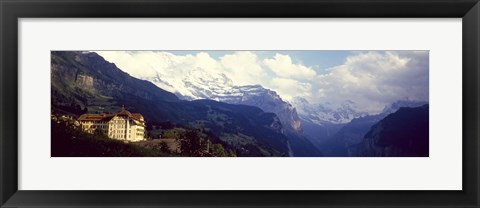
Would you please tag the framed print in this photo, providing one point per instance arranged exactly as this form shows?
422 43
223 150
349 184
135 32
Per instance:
239 104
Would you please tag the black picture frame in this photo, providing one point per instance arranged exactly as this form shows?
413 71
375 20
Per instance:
11 10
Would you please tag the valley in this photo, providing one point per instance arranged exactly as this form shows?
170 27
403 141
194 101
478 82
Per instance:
240 120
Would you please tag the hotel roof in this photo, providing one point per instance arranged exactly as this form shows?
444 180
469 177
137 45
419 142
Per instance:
108 117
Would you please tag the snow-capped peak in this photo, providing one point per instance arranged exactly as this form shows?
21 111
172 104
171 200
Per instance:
392 108
322 113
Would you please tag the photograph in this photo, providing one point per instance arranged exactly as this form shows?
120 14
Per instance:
240 103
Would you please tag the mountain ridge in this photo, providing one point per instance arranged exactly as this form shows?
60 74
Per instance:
203 84
343 143
88 82
404 133
321 114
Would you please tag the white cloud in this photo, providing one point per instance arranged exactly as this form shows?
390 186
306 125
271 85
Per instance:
283 66
243 68
370 79
289 88
123 60
375 79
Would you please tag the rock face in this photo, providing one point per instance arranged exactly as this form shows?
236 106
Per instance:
84 81
268 101
69 70
404 133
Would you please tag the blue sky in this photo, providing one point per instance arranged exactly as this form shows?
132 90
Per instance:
371 79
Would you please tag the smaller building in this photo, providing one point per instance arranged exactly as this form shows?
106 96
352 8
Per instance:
123 125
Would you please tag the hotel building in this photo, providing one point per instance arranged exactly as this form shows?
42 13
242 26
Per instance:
123 125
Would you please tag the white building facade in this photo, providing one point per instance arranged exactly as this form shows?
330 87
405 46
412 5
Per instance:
123 125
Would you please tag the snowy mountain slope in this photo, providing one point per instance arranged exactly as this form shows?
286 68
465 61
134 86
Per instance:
202 84
321 114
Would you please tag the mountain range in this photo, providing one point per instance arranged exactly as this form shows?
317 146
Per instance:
344 142
327 113
86 81
250 119
403 133
203 84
